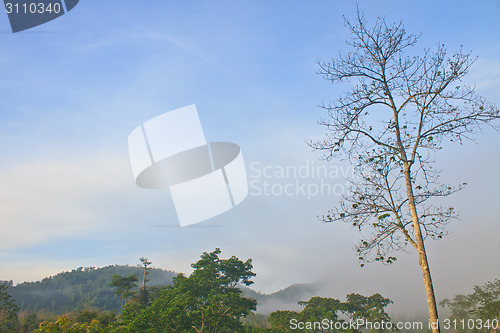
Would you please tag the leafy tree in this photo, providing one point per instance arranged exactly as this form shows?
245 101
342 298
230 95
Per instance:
460 306
388 126
483 304
356 307
124 285
487 301
28 321
6 302
82 288
206 301
8 309
318 308
280 320
257 321
104 318
369 309
64 324
86 321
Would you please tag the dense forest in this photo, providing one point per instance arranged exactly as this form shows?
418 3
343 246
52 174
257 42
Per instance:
215 297
89 288
82 288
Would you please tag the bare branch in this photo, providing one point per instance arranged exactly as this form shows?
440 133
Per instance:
400 109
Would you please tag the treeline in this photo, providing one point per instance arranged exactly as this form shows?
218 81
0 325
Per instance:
208 300
211 300
82 288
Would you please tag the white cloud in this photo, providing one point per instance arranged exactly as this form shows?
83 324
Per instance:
51 198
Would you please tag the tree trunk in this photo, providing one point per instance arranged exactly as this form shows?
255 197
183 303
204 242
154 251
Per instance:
422 256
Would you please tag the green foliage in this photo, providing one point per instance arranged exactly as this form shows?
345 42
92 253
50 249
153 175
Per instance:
356 307
319 307
483 303
255 320
86 321
368 308
208 300
105 318
80 289
64 324
280 320
7 304
124 285
28 321
8 308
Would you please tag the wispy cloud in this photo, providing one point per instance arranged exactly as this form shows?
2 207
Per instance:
485 74
48 199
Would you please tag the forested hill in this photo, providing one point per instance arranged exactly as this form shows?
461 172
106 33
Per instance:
82 288
88 288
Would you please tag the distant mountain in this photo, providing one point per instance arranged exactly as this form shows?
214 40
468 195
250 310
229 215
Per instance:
285 299
89 287
81 288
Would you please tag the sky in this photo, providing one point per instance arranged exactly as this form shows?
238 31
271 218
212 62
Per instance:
73 89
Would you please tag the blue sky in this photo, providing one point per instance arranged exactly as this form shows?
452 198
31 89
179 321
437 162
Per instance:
73 89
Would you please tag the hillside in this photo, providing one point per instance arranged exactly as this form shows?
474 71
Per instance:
285 299
85 288
81 288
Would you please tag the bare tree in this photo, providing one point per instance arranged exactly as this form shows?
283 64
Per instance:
388 125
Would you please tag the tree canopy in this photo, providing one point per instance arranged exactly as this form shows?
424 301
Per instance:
483 304
124 285
320 314
208 300
8 309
